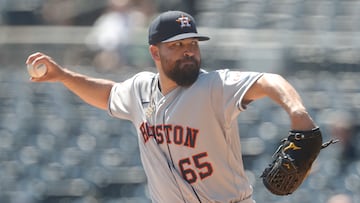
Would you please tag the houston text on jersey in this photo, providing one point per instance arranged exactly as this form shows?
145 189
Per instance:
172 134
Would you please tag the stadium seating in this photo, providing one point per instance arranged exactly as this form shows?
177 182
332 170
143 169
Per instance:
55 148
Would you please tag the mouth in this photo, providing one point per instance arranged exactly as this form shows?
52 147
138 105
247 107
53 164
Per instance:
186 62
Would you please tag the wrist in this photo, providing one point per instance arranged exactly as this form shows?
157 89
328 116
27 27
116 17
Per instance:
64 75
301 120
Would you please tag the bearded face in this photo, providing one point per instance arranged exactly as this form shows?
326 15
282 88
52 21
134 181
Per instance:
183 72
180 61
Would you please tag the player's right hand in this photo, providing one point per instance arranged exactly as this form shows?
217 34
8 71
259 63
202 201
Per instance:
54 73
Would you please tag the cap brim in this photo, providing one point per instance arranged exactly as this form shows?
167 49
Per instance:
187 35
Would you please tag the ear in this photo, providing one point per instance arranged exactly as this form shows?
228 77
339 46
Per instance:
154 51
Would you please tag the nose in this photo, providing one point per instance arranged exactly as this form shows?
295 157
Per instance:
188 53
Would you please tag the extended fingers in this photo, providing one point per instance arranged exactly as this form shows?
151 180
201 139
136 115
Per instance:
37 58
32 57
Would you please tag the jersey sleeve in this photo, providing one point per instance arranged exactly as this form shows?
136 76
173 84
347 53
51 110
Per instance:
234 85
126 98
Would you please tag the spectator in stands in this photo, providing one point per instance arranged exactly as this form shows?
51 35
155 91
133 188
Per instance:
112 33
342 127
58 12
340 198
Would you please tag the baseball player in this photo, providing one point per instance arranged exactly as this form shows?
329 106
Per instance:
186 117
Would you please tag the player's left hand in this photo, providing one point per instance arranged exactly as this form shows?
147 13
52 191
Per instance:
293 160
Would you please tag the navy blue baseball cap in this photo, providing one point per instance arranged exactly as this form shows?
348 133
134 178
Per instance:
173 25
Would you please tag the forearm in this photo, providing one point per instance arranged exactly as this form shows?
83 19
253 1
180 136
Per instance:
280 91
93 91
283 93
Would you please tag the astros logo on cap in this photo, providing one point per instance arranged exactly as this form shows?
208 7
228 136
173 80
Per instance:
173 25
184 21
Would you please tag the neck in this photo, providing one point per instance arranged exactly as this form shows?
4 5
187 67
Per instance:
166 85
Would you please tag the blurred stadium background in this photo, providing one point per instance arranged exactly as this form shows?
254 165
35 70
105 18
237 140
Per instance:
54 148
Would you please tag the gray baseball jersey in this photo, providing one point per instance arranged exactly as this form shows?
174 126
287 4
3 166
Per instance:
188 139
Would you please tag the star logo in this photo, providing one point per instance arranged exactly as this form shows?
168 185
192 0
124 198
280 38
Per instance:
184 21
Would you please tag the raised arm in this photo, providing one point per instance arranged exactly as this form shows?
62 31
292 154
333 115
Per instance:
92 90
283 93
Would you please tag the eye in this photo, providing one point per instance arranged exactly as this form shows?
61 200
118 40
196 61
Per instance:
174 45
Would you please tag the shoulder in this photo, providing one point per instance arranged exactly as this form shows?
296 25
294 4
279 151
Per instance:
144 76
223 75
212 77
206 75
141 80
137 86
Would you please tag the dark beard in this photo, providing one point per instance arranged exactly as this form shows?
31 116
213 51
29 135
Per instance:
185 75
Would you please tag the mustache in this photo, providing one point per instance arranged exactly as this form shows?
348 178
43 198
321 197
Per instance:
187 59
